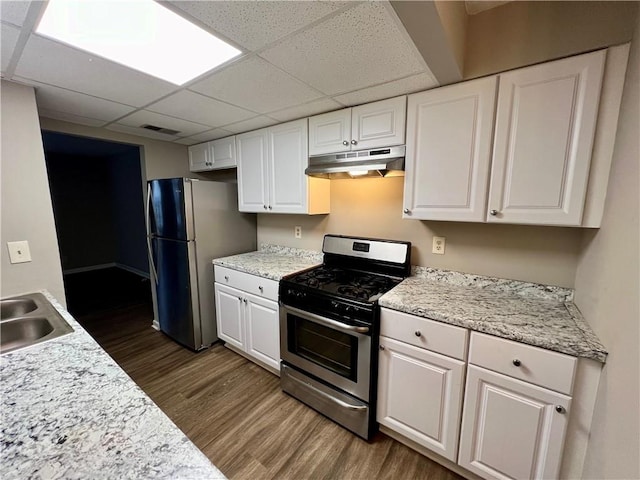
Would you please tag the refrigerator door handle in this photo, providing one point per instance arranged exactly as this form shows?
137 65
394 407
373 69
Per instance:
154 272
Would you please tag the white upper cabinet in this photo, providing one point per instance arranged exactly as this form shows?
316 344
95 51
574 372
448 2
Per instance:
213 155
253 165
545 123
199 157
377 124
271 178
449 134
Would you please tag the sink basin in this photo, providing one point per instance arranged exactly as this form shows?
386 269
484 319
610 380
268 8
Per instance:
27 320
18 307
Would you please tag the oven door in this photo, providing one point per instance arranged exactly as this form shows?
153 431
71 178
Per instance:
338 353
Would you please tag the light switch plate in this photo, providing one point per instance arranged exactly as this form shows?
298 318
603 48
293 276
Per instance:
19 252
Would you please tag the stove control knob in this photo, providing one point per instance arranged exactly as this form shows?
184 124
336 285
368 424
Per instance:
335 304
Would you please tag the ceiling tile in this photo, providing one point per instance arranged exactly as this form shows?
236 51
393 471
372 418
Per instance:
14 11
61 100
251 124
69 117
205 136
200 108
140 132
415 83
8 39
254 24
56 64
144 117
360 47
306 110
256 85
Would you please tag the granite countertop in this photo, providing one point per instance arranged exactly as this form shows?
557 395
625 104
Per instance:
272 261
69 411
529 313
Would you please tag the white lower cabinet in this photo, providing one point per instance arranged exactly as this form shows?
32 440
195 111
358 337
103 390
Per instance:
511 428
248 322
420 395
420 383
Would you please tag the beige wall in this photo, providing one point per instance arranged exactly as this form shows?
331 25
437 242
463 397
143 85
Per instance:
26 202
607 293
373 208
523 33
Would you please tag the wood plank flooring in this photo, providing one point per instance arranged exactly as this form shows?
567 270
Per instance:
235 412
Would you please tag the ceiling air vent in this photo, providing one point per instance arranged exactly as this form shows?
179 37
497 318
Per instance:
154 128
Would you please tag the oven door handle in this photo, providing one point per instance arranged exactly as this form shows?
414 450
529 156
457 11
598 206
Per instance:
342 403
343 327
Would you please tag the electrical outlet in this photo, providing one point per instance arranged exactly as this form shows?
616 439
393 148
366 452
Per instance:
19 252
297 231
438 245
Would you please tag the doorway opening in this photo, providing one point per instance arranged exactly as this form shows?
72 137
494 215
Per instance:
97 192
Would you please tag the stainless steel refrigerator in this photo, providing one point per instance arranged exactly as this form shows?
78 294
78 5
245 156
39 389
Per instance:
189 223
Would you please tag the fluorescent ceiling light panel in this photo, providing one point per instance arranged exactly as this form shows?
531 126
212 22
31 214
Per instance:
139 34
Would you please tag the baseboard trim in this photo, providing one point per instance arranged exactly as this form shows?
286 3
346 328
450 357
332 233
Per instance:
133 270
155 325
71 271
103 266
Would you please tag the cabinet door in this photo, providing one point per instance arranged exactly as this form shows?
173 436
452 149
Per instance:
330 132
420 395
510 428
378 124
229 308
252 152
545 123
449 133
263 330
288 159
223 152
199 157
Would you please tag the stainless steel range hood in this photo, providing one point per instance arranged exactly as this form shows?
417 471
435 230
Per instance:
378 162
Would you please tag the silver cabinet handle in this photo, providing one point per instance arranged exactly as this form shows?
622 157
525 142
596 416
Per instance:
264 206
244 300
269 207
240 298
345 143
354 142
260 288
493 213
560 409
226 277
418 333
381 347
517 362
406 211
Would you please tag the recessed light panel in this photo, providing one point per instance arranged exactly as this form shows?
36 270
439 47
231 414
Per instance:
139 34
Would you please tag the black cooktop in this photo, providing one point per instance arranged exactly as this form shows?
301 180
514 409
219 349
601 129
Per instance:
345 283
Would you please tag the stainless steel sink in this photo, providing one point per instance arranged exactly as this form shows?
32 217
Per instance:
12 308
27 320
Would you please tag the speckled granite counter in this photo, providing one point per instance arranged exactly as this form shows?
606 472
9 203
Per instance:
271 261
525 312
69 411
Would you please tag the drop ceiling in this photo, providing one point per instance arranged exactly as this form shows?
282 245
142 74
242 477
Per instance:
299 58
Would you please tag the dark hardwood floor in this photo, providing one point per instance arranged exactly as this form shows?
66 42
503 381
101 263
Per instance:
235 412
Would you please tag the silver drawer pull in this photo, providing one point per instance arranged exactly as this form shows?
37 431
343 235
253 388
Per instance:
560 409
418 333
260 288
381 347
226 277
517 362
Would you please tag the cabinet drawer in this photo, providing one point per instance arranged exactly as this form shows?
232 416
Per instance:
262 287
532 364
422 332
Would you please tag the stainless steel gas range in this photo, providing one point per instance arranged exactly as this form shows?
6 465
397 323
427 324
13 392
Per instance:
329 327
